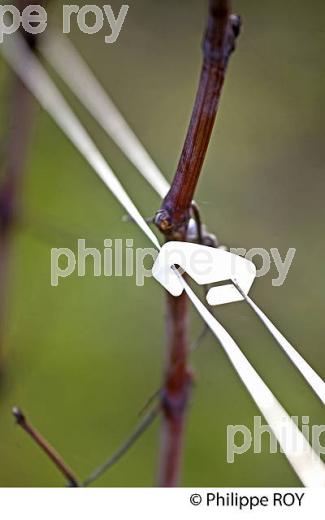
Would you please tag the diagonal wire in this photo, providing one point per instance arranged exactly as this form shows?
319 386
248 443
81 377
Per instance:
304 460
314 380
73 69
30 70
70 65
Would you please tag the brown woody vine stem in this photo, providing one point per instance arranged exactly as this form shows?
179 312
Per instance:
172 220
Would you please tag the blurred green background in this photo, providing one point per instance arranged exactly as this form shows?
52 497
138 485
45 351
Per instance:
83 358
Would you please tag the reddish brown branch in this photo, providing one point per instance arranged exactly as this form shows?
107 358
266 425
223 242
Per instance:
172 220
45 447
175 392
218 45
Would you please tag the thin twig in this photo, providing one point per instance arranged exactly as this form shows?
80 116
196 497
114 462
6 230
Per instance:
172 220
113 459
45 446
151 399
